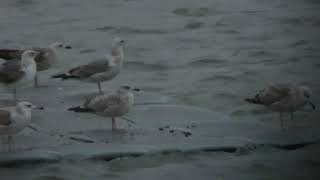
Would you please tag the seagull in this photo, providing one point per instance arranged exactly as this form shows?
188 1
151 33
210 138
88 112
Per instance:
111 105
45 59
19 73
15 119
101 70
283 97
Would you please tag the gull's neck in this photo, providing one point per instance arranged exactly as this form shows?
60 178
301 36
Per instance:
118 54
28 64
130 98
53 47
54 50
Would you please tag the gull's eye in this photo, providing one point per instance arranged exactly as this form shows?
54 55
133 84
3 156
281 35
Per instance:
60 45
122 41
29 105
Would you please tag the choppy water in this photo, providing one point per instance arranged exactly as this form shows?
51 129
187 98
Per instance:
207 53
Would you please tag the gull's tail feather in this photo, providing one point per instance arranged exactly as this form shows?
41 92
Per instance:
63 76
80 109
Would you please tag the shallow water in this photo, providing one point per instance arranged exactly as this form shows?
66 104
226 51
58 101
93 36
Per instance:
207 53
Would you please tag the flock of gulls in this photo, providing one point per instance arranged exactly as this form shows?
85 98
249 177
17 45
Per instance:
19 67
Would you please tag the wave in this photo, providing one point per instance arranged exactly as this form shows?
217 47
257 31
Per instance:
207 61
138 65
106 152
129 30
196 12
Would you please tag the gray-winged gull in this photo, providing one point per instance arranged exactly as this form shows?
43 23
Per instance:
111 105
15 119
19 73
101 70
45 59
283 97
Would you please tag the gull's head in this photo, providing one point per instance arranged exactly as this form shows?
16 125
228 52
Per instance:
127 91
27 58
306 91
59 45
125 88
29 54
117 42
307 95
28 106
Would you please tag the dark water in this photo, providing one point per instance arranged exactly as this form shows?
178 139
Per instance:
207 53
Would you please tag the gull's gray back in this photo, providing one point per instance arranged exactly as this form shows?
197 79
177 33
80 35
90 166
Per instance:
87 70
10 72
111 105
274 93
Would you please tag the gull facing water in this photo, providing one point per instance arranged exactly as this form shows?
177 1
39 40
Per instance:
15 119
101 70
19 73
111 105
283 97
45 59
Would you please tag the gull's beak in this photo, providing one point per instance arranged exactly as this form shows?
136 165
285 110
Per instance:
312 105
38 107
136 89
68 47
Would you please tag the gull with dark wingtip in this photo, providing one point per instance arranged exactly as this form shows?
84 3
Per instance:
45 59
283 97
111 105
101 70
19 73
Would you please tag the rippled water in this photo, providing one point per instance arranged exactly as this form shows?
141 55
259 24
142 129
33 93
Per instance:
207 53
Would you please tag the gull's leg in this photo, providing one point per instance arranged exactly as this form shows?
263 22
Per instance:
115 128
292 119
36 82
99 87
15 93
114 125
2 143
281 122
10 143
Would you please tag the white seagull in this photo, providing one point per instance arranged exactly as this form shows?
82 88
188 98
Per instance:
15 119
283 97
45 59
111 105
101 70
19 73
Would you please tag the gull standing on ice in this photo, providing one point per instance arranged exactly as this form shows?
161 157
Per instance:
45 59
19 73
15 119
101 70
111 105
283 97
